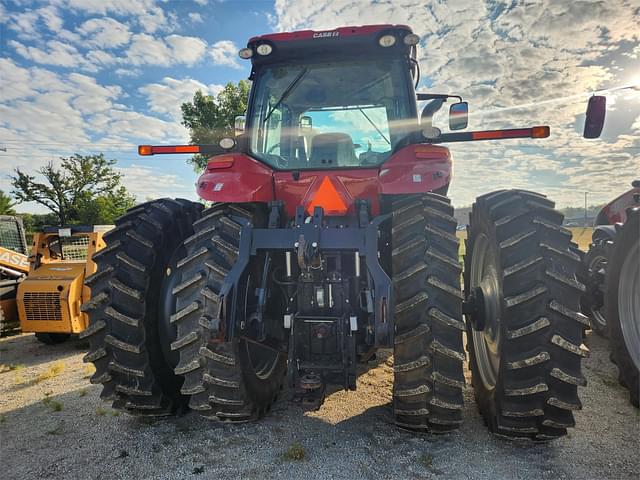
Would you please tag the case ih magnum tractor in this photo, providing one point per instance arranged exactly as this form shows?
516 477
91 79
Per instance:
612 277
331 236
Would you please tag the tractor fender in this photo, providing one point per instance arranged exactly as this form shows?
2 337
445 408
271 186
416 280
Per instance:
235 178
416 168
603 232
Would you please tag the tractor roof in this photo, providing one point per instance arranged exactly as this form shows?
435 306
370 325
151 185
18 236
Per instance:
330 44
352 31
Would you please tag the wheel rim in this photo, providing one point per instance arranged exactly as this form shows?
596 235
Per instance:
596 309
486 343
629 303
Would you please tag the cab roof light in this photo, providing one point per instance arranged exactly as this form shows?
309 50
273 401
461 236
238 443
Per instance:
245 53
387 41
411 39
264 49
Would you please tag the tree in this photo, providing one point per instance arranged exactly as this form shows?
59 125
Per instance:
6 204
209 119
71 190
105 209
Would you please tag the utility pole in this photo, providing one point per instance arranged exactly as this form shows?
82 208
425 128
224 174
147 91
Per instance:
585 209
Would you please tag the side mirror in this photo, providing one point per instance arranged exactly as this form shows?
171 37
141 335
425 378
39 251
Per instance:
596 112
306 122
239 124
458 116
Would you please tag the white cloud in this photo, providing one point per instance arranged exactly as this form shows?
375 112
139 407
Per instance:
509 56
45 115
167 97
148 50
225 53
105 32
136 179
187 50
195 17
147 13
55 53
201 2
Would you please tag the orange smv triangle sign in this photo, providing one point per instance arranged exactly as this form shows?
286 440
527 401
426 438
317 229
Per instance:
327 197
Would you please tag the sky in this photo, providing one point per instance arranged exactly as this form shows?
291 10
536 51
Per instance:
90 76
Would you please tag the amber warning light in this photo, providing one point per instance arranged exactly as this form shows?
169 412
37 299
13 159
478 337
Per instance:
157 149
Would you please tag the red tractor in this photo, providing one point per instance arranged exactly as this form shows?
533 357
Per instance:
330 236
595 260
611 274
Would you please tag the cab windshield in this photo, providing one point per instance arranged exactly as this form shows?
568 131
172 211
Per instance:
330 115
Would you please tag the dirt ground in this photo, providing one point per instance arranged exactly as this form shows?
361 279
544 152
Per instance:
53 425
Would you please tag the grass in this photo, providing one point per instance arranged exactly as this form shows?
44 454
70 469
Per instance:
101 412
82 392
53 371
426 460
11 368
3 418
55 431
89 370
295 453
54 405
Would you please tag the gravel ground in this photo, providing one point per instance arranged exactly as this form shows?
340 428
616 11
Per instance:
53 425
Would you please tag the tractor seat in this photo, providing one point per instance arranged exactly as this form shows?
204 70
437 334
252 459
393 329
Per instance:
333 149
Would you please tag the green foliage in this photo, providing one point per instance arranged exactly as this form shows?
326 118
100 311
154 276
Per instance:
104 210
85 189
6 204
295 453
209 119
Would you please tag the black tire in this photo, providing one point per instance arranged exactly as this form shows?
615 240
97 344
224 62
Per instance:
593 270
624 253
219 376
428 350
129 329
530 351
52 338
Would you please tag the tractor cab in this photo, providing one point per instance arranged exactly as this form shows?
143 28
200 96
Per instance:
330 100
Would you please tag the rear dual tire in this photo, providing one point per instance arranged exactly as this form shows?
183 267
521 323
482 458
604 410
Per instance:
428 351
236 380
525 361
129 329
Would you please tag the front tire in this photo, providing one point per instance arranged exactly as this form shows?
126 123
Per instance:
525 359
129 328
622 303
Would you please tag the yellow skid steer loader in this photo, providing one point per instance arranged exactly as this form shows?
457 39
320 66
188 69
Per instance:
49 298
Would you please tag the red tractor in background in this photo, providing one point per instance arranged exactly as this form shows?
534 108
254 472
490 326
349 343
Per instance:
611 275
330 236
